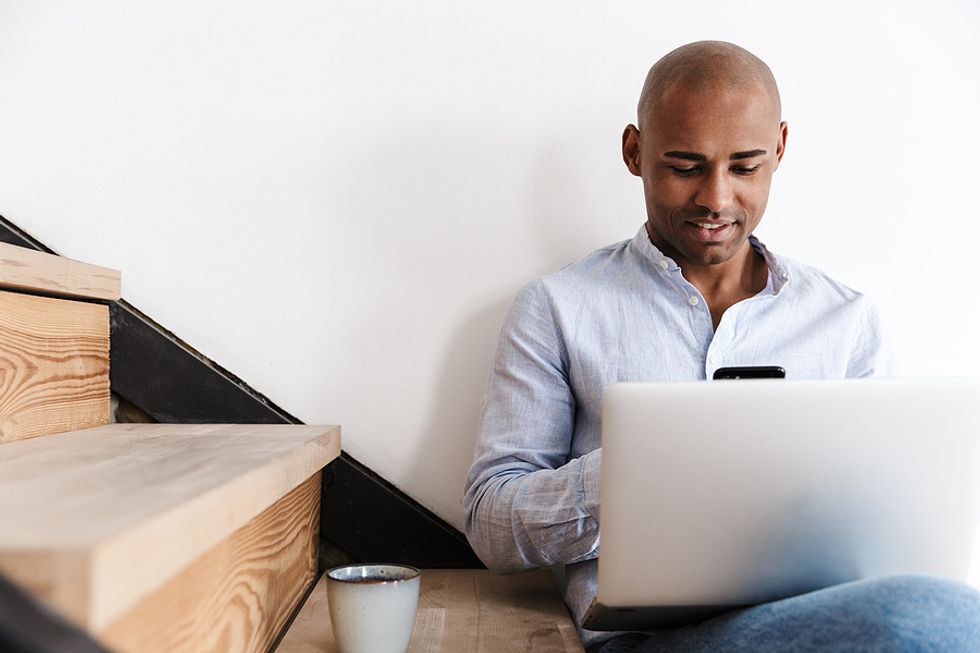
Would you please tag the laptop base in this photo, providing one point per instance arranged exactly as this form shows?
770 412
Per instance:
604 617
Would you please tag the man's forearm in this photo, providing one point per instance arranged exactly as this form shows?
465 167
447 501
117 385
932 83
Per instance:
519 518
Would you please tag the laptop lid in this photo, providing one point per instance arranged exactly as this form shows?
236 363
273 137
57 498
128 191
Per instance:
726 494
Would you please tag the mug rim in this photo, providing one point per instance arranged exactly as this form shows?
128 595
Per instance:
415 572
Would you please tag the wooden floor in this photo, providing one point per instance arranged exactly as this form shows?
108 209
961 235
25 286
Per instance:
461 610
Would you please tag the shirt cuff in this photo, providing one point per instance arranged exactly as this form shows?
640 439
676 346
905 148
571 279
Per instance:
591 462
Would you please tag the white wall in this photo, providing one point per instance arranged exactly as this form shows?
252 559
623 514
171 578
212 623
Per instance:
337 201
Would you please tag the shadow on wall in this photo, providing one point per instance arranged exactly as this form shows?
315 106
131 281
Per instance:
575 213
563 225
446 447
517 209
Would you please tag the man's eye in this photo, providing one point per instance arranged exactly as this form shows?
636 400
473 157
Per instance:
686 172
745 170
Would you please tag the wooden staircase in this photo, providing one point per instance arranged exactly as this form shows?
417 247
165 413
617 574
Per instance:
151 537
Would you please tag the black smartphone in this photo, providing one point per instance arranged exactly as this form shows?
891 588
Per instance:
759 372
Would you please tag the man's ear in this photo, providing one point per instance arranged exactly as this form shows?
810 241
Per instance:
631 149
781 143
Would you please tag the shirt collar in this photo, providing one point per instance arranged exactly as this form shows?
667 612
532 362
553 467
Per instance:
778 275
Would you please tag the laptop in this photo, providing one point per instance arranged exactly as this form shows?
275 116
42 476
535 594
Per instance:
721 495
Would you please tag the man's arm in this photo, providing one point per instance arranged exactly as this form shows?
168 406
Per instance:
527 503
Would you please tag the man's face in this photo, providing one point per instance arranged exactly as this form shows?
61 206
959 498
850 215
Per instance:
706 158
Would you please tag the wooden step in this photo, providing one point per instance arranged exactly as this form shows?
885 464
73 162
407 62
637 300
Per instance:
54 350
54 366
159 537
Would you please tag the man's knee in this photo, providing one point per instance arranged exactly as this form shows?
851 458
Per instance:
920 612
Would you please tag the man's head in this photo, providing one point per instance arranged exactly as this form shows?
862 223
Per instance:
708 141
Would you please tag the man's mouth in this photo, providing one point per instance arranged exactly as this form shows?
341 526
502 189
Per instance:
710 232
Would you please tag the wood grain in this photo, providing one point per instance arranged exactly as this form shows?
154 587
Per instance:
54 366
461 610
26 269
96 520
238 595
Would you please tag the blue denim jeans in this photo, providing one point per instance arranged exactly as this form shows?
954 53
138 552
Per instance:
898 613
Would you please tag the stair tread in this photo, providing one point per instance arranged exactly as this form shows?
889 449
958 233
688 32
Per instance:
107 514
29 270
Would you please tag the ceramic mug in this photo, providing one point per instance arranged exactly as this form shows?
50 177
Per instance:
372 606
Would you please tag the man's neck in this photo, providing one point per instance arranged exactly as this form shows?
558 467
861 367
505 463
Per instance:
725 284
745 274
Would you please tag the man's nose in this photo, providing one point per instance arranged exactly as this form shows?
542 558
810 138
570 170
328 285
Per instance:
715 192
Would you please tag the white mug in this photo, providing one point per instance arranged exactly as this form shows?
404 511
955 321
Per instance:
372 607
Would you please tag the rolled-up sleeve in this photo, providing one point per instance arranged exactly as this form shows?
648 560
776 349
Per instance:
528 502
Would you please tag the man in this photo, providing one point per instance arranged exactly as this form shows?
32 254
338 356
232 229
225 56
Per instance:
691 292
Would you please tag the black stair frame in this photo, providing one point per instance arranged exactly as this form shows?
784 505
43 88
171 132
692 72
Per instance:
360 512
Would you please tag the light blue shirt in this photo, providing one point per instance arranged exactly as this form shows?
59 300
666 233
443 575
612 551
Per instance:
626 313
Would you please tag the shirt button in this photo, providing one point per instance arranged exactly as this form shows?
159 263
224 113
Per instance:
664 264
712 360
692 300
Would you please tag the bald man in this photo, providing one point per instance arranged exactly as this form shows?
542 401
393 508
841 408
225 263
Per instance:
692 291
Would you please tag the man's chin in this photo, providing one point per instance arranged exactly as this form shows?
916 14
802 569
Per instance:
712 254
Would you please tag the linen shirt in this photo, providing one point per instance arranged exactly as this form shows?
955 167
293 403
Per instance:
626 313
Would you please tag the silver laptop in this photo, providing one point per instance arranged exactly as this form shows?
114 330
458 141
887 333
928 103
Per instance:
725 494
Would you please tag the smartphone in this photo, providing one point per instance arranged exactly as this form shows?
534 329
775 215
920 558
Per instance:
760 372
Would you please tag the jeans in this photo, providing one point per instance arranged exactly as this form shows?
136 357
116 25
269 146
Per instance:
897 613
